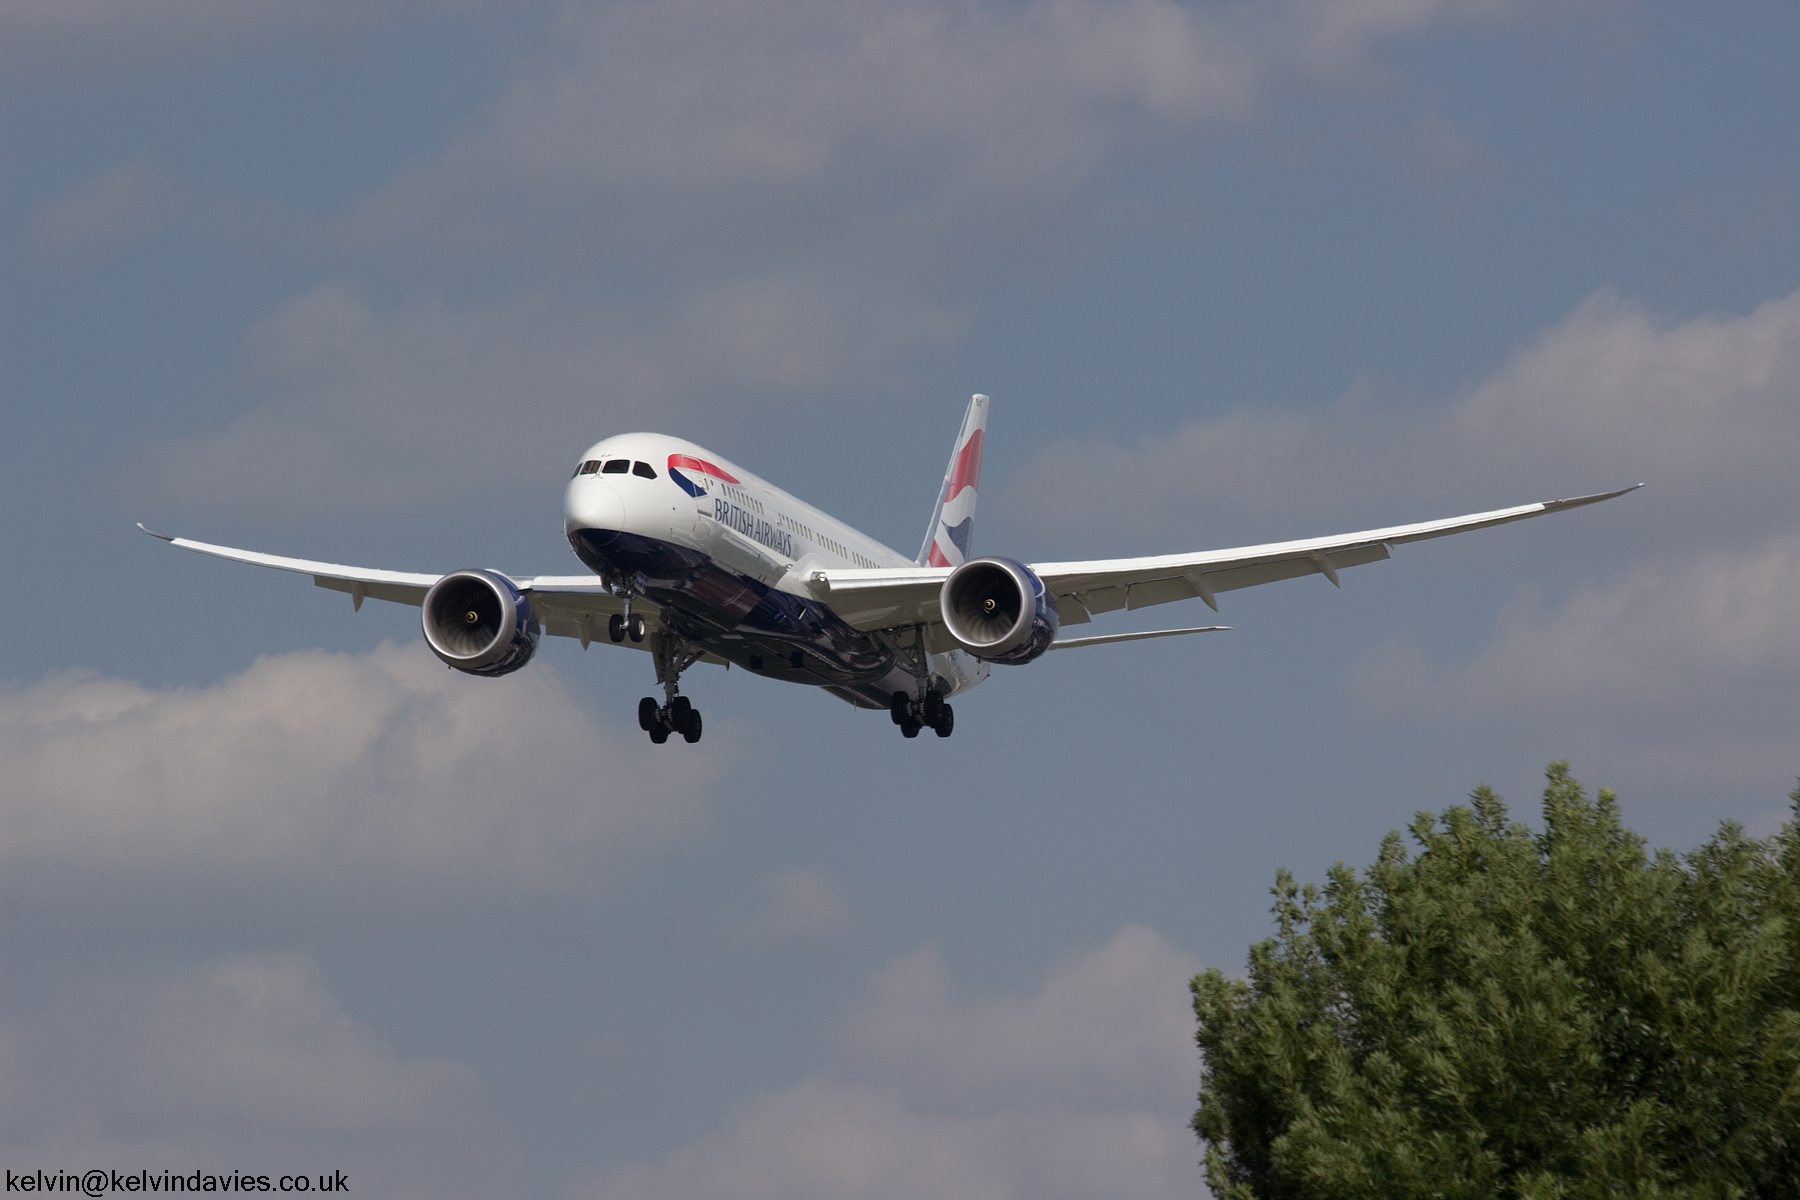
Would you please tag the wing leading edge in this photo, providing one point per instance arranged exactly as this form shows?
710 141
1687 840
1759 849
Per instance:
573 606
875 599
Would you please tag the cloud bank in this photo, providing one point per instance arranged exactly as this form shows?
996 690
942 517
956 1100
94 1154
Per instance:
671 206
1702 409
243 1064
1080 1088
383 768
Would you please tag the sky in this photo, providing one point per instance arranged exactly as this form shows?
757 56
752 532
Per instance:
360 281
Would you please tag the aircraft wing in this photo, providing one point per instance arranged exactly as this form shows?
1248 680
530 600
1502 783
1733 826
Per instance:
876 599
574 606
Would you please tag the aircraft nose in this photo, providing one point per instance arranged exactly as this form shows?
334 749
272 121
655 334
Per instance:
595 505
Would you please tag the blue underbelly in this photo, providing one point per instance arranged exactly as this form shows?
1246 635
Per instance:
740 619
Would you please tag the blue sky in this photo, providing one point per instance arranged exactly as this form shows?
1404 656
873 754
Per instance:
359 281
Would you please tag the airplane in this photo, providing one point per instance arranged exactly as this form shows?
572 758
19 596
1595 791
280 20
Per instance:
696 560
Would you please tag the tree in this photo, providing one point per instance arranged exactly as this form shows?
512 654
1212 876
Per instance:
1506 1013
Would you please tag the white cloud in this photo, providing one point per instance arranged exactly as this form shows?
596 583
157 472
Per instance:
1103 1024
1643 637
1081 1088
918 132
324 768
370 409
131 200
803 906
1338 36
718 198
687 126
1704 410
246 1064
1679 672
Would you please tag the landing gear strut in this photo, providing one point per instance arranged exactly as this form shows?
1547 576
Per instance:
676 714
926 710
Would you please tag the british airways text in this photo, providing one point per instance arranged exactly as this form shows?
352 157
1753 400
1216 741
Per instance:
752 526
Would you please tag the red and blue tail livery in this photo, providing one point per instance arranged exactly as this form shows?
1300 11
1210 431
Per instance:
953 520
694 560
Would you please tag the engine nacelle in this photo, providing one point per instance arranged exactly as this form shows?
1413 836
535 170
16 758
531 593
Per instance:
998 610
478 622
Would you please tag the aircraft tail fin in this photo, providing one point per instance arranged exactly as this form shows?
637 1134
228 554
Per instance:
953 520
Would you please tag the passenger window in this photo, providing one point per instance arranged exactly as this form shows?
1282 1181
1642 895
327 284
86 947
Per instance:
588 467
643 469
616 466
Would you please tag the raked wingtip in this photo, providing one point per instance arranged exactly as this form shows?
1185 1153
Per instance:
1579 501
165 537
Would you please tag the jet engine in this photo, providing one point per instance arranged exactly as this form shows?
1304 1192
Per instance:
998 610
478 622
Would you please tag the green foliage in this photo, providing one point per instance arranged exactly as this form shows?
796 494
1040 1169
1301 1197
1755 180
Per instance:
1516 1014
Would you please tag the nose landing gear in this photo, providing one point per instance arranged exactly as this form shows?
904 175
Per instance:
932 713
619 627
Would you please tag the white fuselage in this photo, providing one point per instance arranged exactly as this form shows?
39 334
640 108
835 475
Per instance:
727 556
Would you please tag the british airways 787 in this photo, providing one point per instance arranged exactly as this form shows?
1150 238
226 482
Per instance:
696 560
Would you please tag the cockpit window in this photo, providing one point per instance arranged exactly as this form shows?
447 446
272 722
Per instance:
616 466
588 467
643 469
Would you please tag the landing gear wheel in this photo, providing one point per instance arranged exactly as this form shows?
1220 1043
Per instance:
680 709
649 716
692 730
946 720
634 625
660 734
615 627
934 705
899 707
909 728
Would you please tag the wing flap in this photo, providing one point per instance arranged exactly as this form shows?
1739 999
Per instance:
396 593
1158 591
1070 612
881 598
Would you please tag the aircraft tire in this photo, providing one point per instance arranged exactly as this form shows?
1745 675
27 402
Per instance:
946 721
898 707
635 627
909 728
680 709
648 717
692 732
615 627
660 734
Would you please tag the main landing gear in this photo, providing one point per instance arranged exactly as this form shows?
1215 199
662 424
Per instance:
660 720
931 713
676 714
